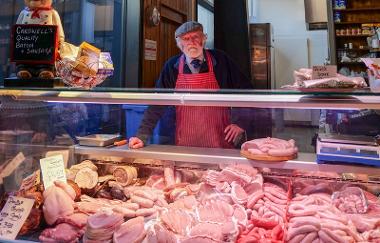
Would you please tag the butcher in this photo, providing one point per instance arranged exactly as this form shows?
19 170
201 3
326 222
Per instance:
197 68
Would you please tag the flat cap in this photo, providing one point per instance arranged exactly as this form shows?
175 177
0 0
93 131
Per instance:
187 27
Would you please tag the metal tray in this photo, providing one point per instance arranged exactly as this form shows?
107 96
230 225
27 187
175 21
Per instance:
98 140
347 139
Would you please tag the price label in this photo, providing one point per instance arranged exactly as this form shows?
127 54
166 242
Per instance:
320 72
52 169
13 216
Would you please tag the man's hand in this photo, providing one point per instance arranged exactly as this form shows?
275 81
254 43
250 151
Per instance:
135 143
232 132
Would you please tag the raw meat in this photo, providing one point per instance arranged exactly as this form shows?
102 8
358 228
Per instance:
131 231
60 234
57 203
270 146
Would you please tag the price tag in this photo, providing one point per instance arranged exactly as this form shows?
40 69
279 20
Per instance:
320 72
52 169
13 216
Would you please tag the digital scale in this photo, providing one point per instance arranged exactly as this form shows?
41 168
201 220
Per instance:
347 149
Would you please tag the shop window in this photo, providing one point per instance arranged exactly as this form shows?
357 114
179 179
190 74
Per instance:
98 22
206 18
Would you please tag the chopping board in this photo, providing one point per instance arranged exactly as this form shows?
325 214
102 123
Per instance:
266 158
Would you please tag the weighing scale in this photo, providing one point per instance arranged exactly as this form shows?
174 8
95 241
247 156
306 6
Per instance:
347 149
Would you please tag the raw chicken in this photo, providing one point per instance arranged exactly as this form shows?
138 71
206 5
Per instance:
57 203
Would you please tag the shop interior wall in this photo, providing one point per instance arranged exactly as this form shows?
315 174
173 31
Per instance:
173 14
294 46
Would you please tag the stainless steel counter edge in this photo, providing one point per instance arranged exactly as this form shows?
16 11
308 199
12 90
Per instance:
305 161
275 100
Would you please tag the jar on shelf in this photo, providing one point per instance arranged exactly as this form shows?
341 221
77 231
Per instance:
342 4
337 17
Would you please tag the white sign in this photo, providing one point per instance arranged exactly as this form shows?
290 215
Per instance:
320 72
150 50
13 216
52 169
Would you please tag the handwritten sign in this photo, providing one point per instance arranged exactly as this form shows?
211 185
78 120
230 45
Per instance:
320 72
52 169
13 216
34 44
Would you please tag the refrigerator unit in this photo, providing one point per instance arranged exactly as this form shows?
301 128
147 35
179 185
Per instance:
261 55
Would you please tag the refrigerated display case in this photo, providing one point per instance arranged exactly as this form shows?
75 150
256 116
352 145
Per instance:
169 191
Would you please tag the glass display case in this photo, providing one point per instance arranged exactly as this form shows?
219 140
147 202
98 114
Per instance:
326 189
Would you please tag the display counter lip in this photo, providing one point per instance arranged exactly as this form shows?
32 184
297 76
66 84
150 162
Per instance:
258 98
216 156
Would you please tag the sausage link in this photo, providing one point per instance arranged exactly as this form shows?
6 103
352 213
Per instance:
144 203
145 212
310 237
297 238
323 236
145 194
300 230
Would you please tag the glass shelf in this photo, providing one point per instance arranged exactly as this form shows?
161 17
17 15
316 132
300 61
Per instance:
284 98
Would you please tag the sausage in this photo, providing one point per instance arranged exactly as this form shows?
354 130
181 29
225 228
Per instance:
297 238
143 202
331 216
253 198
263 223
145 194
325 237
310 237
333 236
275 199
127 213
255 151
276 210
300 230
258 205
132 206
268 214
145 212
299 210
299 221
276 192
281 152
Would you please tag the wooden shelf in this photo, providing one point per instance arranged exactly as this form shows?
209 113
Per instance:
363 22
339 36
354 49
357 9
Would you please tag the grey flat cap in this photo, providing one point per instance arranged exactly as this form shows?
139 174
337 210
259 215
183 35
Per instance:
187 27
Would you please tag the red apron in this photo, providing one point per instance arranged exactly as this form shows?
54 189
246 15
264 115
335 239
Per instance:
200 126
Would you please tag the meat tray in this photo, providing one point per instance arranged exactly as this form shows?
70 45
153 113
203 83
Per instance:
98 140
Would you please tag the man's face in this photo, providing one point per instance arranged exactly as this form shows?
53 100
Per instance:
38 3
192 44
